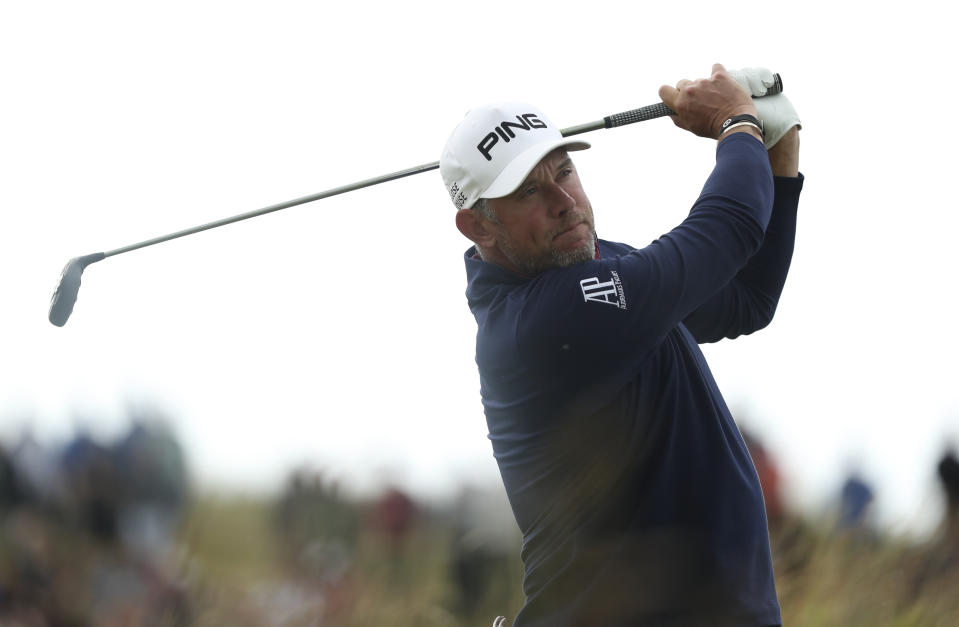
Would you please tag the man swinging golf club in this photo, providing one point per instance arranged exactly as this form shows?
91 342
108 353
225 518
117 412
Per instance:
631 484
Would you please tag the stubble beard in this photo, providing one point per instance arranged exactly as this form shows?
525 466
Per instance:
533 265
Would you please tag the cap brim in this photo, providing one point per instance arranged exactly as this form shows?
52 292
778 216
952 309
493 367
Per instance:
519 168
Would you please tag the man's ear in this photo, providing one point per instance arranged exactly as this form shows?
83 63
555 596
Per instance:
474 228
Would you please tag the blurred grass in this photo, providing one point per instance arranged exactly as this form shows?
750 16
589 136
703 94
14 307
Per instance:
237 574
859 578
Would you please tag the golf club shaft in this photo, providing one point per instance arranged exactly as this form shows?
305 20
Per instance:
277 207
641 114
619 119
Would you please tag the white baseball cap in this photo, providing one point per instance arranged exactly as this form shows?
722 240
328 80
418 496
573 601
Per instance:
494 148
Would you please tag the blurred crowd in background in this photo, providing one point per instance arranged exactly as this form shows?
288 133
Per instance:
96 533
86 529
110 533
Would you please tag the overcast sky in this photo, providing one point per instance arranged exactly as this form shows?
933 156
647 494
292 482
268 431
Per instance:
338 333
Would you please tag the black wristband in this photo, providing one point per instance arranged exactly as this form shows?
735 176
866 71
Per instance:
745 117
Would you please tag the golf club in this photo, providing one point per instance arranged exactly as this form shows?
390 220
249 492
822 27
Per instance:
65 296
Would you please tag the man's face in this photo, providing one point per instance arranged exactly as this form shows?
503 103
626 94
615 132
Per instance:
548 221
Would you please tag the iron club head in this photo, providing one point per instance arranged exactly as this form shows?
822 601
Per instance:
64 297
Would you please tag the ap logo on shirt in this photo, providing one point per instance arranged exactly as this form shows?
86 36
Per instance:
608 292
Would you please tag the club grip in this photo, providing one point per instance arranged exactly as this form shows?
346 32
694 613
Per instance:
641 114
776 87
659 110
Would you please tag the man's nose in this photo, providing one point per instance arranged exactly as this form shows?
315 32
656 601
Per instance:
560 201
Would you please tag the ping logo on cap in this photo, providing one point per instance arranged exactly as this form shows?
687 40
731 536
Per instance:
525 122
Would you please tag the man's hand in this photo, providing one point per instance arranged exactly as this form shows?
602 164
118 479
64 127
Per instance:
703 105
776 112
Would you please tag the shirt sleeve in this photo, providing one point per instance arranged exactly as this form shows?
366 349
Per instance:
748 302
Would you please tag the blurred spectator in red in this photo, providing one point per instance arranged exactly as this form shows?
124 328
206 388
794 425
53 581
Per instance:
769 480
393 516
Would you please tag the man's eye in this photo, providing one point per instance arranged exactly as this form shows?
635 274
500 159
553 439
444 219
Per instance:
529 191
566 172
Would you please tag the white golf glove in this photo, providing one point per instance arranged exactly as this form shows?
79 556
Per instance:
776 112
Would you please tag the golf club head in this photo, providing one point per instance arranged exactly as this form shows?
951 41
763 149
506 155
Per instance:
64 297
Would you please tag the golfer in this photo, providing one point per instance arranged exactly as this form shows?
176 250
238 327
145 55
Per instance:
631 484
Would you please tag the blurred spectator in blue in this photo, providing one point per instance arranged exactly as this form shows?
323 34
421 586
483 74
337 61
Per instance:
10 493
36 468
153 487
855 500
91 493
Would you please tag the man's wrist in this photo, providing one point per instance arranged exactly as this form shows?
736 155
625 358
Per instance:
742 119
749 129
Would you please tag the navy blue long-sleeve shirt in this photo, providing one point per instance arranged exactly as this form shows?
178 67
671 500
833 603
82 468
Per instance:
632 486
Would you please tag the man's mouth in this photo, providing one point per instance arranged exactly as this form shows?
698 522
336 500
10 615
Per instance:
569 229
